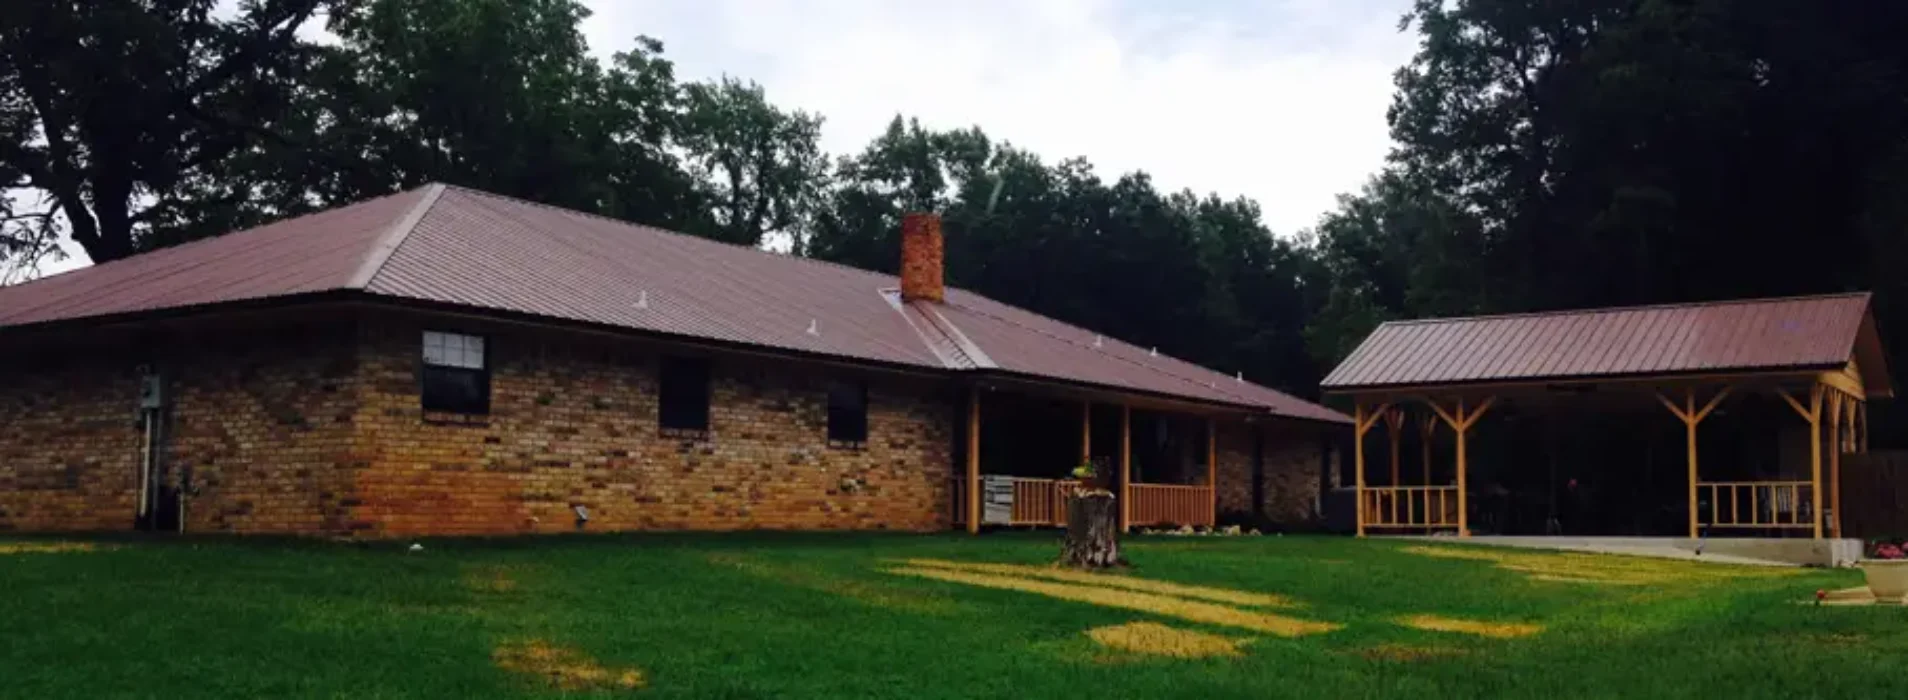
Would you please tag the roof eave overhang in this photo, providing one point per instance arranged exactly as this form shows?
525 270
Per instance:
1090 391
1045 384
1471 386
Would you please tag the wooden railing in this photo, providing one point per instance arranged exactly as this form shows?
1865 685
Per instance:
1043 502
1428 507
1768 504
1037 502
1171 504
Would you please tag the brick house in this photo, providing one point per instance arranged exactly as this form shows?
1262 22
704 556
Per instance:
446 361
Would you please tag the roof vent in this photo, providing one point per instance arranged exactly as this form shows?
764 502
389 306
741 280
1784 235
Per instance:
813 327
1098 342
642 299
1239 376
1154 352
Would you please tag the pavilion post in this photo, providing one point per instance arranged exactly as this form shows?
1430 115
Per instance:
973 461
1126 468
1362 420
1812 414
1461 421
1835 464
1691 418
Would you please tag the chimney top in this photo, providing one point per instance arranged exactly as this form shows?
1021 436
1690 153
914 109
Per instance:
922 258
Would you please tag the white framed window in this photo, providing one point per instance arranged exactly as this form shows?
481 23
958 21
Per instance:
456 376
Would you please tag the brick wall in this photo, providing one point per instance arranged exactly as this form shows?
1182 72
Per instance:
260 419
311 424
1291 470
68 443
573 421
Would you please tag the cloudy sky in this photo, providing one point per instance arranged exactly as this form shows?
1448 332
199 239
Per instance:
1282 101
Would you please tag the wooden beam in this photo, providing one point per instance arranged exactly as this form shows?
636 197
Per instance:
1714 401
1470 419
1454 421
1835 463
1806 413
1126 468
1463 471
1360 425
1673 408
1847 380
1815 453
973 460
1212 472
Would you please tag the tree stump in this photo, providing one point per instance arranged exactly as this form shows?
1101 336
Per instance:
1093 531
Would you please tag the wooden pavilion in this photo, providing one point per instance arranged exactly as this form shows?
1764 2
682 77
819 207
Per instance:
1818 359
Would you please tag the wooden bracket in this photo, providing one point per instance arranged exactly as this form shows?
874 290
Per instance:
1689 413
1363 419
1460 419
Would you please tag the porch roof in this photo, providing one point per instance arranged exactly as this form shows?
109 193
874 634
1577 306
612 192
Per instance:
1783 336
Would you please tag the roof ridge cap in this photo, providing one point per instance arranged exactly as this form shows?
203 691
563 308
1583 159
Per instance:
1631 307
393 238
669 232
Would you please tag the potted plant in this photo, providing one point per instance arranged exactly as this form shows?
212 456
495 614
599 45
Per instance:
1886 568
1091 478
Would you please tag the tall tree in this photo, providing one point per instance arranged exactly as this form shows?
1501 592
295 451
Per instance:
761 169
108 105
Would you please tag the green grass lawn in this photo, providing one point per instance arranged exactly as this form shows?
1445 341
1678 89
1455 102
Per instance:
833 616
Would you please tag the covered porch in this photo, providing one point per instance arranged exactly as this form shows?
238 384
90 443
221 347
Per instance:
1022 443
1692 421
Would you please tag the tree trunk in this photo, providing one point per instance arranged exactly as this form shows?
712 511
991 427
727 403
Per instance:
1093 531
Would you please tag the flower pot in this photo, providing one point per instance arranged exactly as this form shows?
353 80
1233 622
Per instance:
1887 578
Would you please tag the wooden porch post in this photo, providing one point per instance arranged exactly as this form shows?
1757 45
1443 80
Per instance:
1362 421
1212 472
1692 417
973 460
1461 423
1126 468
1835 463
1812 414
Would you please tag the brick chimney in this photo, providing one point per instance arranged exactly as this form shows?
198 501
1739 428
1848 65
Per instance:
921 257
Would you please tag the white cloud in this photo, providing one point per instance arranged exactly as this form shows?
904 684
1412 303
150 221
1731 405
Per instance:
1281 102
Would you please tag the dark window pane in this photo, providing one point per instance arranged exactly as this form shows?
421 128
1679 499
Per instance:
456 390
456 376
848 412
684 393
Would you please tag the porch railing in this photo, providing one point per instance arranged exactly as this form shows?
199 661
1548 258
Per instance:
1764 504
1037 502
1404 507
1171 504
1043 502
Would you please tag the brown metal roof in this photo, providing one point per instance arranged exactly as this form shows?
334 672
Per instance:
1754 335
461 247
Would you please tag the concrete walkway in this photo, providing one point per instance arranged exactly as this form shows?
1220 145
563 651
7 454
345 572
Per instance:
1756 551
